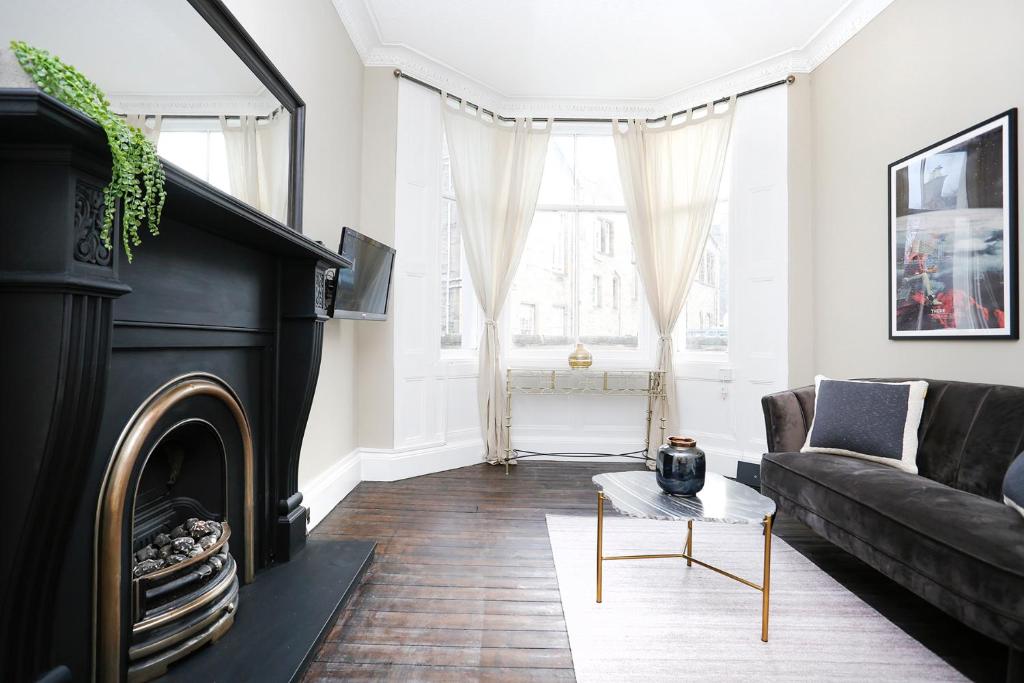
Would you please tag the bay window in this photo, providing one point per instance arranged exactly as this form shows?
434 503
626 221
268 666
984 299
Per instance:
577 257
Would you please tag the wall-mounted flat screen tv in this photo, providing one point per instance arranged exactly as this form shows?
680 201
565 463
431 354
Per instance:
361 292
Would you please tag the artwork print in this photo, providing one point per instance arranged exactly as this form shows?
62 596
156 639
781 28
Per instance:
953 236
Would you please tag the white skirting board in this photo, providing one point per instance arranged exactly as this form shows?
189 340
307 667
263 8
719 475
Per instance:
381 464
328 489
323 494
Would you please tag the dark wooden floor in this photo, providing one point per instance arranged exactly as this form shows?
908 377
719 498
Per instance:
463 585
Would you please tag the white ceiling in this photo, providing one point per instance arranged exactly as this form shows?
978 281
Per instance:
156 53
575 54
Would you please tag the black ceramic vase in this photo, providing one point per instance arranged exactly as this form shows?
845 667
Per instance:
681 467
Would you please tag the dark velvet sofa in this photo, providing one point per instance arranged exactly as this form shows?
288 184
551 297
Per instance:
944 533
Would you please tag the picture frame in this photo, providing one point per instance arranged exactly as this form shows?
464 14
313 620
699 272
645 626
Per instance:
953 262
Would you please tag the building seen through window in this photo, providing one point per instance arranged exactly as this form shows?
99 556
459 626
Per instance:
451 260
578 252
705 317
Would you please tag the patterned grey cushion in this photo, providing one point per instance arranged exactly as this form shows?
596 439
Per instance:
1013 485
872 420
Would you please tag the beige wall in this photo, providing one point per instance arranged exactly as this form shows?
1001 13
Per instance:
800 189
921 71
375 341
307 42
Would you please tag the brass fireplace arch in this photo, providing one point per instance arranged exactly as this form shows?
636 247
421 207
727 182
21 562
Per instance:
114 498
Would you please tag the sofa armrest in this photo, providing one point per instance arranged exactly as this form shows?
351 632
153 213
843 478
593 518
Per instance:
787 418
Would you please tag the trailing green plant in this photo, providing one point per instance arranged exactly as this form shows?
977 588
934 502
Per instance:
137 176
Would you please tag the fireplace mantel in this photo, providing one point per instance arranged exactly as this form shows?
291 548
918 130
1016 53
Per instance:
87 337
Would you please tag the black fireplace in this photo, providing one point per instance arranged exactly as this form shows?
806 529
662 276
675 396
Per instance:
150 410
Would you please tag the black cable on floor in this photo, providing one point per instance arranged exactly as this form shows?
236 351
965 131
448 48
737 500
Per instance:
634 455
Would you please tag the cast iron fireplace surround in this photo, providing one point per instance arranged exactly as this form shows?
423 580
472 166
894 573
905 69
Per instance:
224 295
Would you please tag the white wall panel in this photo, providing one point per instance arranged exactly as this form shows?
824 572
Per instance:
720 399
760 324
419 375
435 399
463 416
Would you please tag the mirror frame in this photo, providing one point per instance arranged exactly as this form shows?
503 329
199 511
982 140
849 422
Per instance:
238 39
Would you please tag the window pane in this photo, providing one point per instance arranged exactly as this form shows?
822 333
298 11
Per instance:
447 185
543 284
187 149
606 318
219 162
459 312
451 277
707 305
597 171
556 185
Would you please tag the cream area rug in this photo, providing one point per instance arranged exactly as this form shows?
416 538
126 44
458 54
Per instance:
663 621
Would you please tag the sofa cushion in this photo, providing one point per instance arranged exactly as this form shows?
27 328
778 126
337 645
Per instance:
876 421
1013 486
970 544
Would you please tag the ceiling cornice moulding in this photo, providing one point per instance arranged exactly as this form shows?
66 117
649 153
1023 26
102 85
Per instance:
195 104
361 24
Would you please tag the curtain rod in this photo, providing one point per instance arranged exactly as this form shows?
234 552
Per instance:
568 119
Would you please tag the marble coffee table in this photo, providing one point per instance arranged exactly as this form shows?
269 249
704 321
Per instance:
637 494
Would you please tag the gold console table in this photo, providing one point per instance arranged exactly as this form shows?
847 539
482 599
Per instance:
647 383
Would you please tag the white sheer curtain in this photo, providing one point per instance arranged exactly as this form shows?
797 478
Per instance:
149 125
241 145
497 170
257 154
670 177
272 156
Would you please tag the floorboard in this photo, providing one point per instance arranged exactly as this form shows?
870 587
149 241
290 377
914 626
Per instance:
463 583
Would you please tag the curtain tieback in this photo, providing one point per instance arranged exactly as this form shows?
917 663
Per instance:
665 338
490 323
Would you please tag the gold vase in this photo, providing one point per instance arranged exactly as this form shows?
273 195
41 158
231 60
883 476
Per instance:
580 357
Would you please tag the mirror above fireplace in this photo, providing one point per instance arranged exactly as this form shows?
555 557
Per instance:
192 79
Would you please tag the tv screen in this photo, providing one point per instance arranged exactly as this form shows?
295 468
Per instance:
361 292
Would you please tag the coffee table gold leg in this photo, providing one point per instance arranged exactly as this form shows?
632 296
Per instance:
689 541
765 586
600 541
